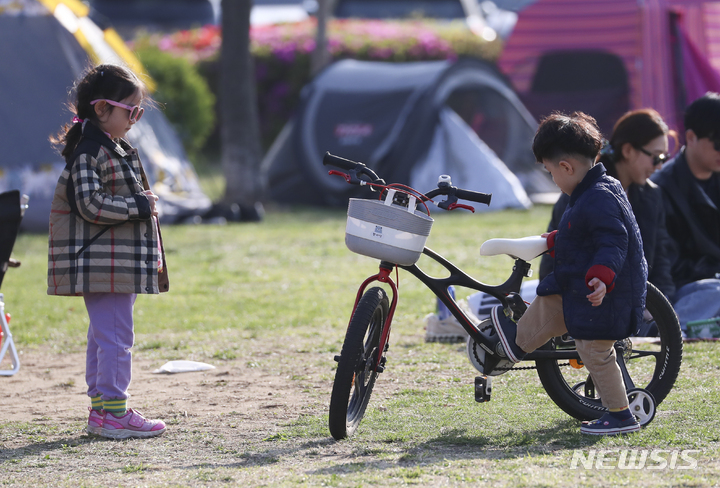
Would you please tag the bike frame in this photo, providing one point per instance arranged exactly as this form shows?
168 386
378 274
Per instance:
439 286
547 357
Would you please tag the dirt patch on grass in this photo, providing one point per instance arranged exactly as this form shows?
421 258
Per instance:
222 424
51 387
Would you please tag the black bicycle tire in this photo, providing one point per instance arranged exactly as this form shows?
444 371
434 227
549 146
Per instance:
666 371
373 306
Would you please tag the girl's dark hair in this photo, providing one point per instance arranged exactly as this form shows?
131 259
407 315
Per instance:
637 128
562 135
108 81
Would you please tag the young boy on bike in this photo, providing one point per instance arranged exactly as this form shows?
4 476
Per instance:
597 290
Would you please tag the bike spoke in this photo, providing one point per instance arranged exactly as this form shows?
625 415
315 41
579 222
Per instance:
641 354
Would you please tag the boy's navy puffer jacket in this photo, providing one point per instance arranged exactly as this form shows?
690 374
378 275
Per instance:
598 230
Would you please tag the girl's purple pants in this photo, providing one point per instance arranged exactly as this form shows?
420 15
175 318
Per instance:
110 336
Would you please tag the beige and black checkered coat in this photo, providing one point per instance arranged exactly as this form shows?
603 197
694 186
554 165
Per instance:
106 240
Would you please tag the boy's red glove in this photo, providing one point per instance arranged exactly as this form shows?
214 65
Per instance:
603 273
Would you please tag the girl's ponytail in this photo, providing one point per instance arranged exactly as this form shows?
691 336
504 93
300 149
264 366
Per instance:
67 139
72 137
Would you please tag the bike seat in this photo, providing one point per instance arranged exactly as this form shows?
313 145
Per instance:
525 248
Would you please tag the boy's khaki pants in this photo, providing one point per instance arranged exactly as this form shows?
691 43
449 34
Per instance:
544 320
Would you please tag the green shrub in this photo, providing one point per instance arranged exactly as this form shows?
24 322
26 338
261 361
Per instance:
188 102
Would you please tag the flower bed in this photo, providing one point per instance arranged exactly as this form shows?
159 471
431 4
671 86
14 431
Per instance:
282 54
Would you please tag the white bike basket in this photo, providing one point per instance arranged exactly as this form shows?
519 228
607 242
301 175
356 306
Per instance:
387 231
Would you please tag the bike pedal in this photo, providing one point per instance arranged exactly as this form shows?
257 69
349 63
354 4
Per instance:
337 358
483 388
517 306
381 366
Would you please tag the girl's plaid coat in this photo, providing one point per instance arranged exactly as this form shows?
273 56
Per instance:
102 236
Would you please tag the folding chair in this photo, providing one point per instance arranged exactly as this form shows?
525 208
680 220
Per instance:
12 208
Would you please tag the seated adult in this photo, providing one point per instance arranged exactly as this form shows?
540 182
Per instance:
690 184
637 148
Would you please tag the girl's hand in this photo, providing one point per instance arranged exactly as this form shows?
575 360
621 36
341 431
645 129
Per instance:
596 297
152 198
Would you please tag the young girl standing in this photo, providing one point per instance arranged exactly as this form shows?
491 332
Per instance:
105 243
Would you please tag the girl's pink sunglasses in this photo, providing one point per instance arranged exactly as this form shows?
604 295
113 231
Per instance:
136 112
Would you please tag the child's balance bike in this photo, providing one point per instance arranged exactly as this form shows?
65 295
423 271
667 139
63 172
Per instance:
393 230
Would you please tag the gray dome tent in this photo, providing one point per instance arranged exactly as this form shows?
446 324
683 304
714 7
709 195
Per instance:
410 122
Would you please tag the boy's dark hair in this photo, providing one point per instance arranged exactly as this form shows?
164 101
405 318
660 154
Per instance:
703 116
562 135
108 81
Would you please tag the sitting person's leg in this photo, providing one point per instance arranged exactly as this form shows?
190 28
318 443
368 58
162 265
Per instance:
699 300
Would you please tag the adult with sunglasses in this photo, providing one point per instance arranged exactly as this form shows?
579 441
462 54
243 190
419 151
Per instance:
637 148
691 189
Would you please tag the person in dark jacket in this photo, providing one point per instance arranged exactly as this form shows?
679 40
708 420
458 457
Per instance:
597 290
637 148
690 185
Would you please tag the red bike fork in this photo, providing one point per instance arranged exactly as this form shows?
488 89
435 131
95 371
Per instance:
383 276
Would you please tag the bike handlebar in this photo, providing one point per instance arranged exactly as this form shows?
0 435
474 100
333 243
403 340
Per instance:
469 195
474 196
355 169
342 163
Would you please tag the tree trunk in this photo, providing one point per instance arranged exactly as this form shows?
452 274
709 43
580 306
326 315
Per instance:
240 131
321 56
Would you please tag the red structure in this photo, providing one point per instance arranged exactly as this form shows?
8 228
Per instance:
608 56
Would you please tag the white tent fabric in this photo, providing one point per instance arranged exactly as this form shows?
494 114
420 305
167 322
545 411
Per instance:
458 152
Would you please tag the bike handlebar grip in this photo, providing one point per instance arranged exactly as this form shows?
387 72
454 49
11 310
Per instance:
337 161
474 196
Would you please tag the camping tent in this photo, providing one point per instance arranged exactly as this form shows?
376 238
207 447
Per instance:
41 55
410 122
608 56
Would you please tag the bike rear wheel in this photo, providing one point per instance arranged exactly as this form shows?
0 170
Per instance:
649 363
358 364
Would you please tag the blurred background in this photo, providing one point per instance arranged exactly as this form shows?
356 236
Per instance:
413 88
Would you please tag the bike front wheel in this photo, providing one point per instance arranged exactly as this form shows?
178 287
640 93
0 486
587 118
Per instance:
651 363
358 363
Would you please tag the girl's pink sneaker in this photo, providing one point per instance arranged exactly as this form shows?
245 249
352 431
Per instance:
95 422
132 424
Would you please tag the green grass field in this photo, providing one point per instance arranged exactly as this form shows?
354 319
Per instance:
289 283
289 274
